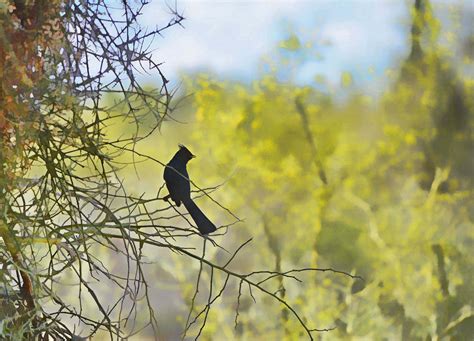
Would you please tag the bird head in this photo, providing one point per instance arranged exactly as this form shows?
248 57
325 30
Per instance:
185 154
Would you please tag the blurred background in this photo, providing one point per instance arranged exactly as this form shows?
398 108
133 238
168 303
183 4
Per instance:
341 132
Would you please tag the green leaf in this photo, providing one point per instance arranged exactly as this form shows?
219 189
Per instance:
292 43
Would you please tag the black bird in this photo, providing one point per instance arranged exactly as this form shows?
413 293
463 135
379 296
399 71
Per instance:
177 181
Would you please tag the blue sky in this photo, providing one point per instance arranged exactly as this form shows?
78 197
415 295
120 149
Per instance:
230 38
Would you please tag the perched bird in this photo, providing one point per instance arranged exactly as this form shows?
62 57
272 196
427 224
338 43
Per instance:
177 181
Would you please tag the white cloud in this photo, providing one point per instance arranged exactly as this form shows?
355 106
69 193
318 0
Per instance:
229 37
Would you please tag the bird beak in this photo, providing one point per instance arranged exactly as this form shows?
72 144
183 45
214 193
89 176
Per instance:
193 156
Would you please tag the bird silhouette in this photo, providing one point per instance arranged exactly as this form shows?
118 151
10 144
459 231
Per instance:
179 188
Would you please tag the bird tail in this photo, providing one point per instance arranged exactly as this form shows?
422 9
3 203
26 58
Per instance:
204 225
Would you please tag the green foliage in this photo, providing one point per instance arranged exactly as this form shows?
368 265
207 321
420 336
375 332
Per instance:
292 43
397 208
